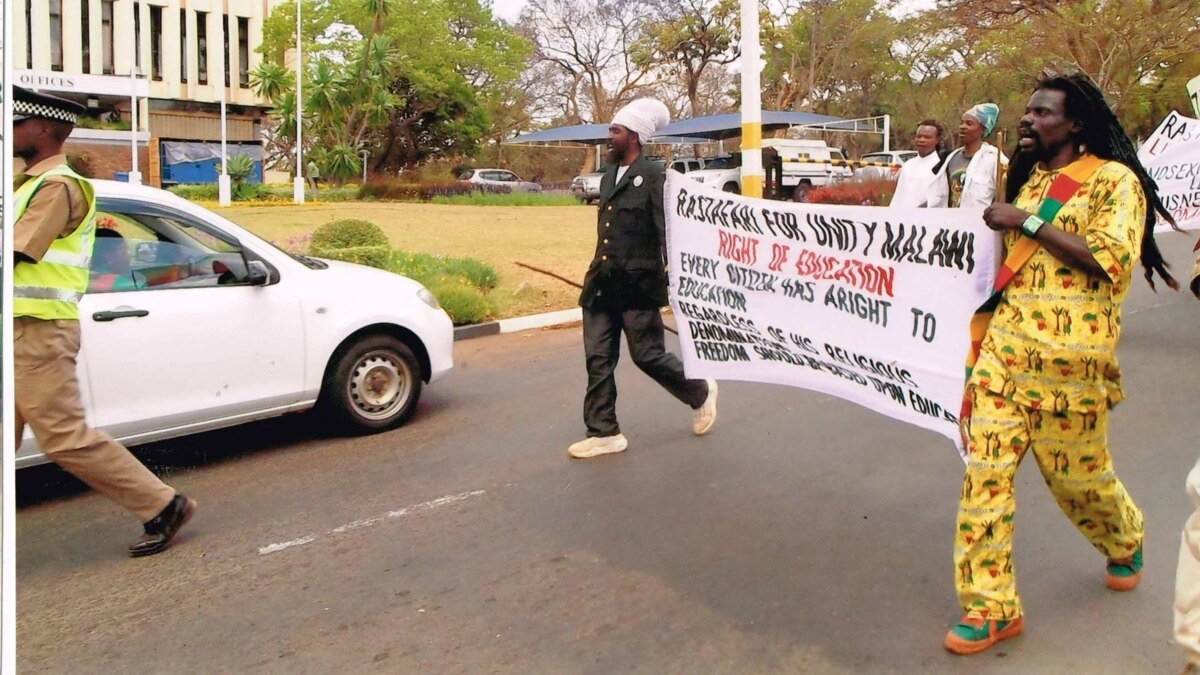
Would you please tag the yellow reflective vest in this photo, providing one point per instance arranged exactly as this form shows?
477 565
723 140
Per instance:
51 288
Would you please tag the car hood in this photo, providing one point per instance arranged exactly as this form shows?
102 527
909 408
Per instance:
365 278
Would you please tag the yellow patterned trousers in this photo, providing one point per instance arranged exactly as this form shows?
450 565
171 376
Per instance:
1072 452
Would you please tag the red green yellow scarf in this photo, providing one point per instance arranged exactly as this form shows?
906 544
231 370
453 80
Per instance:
1064 187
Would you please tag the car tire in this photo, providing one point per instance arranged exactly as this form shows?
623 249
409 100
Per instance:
372 386
732 187
801 192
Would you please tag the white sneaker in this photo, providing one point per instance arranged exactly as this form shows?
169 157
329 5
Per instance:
706 415
594 446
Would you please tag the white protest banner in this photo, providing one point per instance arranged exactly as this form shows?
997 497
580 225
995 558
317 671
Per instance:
869 304
1172 158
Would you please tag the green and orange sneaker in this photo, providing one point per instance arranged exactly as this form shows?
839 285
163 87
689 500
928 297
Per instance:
972 635
1123 574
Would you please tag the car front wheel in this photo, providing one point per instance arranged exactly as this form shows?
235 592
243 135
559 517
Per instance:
373 386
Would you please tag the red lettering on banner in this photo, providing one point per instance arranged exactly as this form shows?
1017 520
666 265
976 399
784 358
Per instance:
876 279
738 248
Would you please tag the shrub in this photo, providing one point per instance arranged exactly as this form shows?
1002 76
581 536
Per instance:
855 193
464 303
198 192
347 233
241 192
434 271
371 256
480 274
485 198
397 190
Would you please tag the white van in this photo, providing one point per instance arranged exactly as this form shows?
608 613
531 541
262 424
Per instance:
806 164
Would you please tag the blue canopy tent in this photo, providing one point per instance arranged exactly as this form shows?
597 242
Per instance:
591 134
729 125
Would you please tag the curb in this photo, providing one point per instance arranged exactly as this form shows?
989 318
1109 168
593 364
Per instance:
518 323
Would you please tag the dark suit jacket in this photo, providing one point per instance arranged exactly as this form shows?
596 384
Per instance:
629 268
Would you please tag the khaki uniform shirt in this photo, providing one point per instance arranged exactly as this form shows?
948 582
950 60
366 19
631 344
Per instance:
55 210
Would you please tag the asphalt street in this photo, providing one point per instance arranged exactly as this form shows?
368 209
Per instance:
804 535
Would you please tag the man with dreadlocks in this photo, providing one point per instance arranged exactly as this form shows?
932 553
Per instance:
1046 372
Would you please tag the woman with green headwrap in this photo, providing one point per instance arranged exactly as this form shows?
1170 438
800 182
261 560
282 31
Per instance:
967 178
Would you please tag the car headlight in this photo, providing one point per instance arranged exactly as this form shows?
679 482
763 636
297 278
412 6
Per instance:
428 298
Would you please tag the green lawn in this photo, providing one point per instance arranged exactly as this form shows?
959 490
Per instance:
556 238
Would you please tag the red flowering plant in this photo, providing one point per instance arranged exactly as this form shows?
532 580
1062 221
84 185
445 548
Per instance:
876 192
106 223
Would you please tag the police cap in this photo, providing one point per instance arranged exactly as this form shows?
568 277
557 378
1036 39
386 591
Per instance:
29 104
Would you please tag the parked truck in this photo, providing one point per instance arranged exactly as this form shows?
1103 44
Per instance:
806 164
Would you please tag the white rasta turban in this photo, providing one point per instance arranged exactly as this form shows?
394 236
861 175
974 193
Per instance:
644 116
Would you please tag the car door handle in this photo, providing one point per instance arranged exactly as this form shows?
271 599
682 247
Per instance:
111 316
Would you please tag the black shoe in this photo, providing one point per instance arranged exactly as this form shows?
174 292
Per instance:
162 528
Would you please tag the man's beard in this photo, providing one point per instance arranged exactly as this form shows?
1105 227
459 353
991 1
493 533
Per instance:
616 155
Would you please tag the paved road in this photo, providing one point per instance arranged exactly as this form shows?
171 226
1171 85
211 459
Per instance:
804 534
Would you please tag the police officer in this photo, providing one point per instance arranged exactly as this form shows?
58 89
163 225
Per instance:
53 236
626 285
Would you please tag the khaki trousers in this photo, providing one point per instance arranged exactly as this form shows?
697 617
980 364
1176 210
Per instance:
48 400
1187 576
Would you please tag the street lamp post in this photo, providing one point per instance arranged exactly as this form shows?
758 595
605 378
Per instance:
752 168
135 176
298 181
224 185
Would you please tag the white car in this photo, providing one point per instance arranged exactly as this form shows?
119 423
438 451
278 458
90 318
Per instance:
499 178
192 323
586 187
884 165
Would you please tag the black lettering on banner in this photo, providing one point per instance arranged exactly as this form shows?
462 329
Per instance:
892 390
701 330
784 224
805 290
832 232
948 249
853 303
871 365
930 408
720 351
926 323
751 280
719 212
711 293
699 265
803 342
718 317
775 354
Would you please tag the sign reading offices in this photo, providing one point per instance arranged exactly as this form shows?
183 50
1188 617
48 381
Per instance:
871 305
99 85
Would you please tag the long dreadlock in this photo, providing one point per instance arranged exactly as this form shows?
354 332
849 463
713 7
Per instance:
1103 137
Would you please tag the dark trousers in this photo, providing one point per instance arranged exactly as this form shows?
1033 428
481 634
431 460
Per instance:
602 348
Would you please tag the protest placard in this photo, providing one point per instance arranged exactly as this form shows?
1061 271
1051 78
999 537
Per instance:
1171 156
868 304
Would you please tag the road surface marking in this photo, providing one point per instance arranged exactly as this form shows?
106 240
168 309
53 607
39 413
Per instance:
357 524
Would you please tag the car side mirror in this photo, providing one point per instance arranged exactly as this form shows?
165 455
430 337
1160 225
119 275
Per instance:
257 273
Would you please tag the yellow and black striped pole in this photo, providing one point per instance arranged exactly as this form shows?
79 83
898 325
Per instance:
752 168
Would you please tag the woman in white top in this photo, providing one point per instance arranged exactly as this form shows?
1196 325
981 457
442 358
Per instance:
967 179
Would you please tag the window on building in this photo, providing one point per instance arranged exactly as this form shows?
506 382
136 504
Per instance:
56 45
225 34
84 23
155 42
106 35
137 35
183 46
202 46
28 33
243 52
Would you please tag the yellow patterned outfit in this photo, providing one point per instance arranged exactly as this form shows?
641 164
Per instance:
1046 376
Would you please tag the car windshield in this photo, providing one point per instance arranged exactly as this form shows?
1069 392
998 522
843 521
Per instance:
720 163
